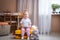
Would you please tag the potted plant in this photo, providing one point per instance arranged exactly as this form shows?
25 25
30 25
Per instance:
54 7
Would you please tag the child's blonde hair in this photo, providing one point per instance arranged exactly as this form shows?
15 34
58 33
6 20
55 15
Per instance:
25 12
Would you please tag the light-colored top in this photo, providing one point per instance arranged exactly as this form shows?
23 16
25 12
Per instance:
26 22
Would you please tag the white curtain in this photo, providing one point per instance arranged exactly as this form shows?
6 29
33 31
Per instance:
45 12
32 7
44 16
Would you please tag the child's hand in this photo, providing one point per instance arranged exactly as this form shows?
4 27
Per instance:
22 25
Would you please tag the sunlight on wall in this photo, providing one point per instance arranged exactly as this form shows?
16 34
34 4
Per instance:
45 6
55 1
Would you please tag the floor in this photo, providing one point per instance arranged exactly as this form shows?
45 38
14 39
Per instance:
50 37
41 37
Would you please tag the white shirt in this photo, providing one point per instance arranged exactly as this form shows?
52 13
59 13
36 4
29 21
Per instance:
26 22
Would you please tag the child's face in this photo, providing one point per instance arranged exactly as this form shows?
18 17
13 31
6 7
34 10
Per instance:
26 15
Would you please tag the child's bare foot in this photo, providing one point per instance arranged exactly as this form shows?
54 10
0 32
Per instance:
22 38
28 38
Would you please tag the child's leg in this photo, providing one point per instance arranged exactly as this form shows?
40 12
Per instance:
23 32
28 31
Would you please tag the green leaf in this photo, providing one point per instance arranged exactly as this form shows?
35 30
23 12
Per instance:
55 6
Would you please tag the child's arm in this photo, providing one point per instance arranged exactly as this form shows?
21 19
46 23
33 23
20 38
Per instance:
21 23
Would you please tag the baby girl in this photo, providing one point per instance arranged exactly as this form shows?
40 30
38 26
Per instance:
26 24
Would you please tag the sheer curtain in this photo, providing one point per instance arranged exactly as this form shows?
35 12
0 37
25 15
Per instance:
31 6
44 16
45 12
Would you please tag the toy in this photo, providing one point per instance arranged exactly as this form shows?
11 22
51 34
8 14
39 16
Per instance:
18 33
33 33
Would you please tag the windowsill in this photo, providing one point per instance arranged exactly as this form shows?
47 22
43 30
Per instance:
55 14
